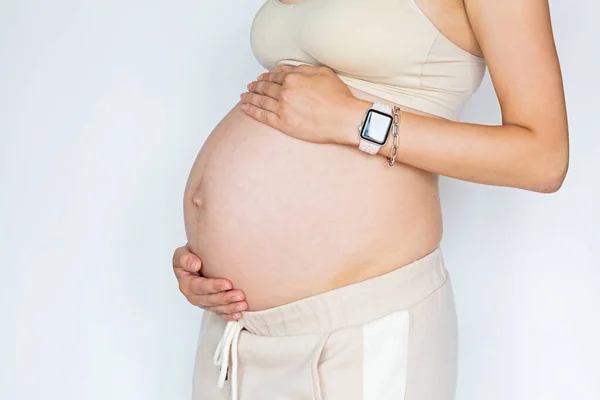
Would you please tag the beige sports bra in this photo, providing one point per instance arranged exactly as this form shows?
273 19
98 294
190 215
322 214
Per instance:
388 48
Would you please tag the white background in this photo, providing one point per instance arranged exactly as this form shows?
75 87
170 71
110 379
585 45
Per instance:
103 107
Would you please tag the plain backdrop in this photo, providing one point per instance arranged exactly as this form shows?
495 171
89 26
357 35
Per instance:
103 108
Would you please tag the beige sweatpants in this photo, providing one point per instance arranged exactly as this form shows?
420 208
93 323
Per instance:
389 337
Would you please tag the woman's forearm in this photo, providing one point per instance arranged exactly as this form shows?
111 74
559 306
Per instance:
507 155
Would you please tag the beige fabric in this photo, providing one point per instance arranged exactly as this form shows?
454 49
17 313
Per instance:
388 48
388 337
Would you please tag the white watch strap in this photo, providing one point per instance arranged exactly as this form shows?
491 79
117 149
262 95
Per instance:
382 107
370 147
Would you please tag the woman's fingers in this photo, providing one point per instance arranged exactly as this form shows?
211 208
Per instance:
282 67
261 115
226 304
273 77
304 68
266 88
192 284
218 302
215 299
264 102
214 295
186 266
198 285
230 310
185 259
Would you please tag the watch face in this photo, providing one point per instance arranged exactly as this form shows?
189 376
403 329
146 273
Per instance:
376 127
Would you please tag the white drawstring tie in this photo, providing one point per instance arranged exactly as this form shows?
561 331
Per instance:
228 344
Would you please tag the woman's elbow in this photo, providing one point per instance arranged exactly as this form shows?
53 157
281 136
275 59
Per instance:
551 170
554 181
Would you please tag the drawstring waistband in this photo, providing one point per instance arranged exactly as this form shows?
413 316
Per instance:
228 345
354 304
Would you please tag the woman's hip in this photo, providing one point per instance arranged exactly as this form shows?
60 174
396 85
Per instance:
388 337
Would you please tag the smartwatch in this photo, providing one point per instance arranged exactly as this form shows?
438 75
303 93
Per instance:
375 128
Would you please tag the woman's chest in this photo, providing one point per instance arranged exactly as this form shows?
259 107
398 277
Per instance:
381 37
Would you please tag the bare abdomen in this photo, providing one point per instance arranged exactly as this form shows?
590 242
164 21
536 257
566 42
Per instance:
284 219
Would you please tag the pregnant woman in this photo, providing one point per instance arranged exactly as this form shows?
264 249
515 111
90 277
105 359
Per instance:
312 210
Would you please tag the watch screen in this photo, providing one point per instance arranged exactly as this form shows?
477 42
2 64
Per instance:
376 126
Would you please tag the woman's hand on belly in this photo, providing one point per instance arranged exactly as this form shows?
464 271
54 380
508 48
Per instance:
306 102
214 295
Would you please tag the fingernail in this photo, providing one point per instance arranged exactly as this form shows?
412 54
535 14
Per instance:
239 307
248 86
245 106
243 95
237 298
192 264
225 287
237 315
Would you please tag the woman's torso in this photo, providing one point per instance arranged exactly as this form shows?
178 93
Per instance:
284 219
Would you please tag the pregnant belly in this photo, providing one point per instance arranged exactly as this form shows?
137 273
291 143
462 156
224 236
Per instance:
284 219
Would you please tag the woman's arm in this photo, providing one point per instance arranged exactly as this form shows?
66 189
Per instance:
529 150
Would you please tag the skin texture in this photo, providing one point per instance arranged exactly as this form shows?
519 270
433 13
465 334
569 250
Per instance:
529 150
